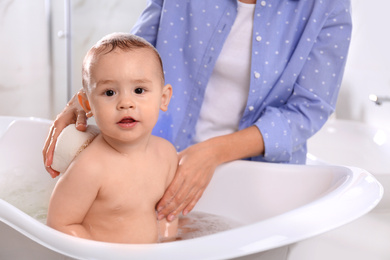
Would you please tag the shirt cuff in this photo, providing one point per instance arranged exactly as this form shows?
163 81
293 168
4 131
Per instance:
276 135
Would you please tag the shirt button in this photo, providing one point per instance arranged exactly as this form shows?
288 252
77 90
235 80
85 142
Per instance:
258 38
263 3
251 108
257 75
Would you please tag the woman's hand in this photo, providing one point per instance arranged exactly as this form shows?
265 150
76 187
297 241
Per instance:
73 113
196 167
197 164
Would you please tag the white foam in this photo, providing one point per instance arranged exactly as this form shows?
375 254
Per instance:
199 224
26 194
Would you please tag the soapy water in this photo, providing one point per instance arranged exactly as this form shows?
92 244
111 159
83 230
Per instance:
27 194
32 195
198 224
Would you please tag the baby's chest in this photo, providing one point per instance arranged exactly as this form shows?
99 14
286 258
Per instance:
132 192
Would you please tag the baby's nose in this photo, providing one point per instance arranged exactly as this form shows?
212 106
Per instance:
126 103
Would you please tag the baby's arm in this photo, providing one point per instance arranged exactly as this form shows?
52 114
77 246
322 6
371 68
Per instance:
71 199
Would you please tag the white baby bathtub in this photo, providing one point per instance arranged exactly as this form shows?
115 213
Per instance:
347 142
276 204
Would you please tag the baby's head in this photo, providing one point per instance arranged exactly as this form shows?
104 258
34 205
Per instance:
111 42
123 83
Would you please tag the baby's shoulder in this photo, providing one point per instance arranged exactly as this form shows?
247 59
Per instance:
89 161
83 169
164 147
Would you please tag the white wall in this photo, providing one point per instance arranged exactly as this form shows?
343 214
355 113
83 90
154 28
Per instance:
368 65
91 20
23 59
24 84
24 63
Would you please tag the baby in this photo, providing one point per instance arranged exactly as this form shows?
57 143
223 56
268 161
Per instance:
110 190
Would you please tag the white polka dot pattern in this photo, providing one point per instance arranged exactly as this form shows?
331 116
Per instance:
299 50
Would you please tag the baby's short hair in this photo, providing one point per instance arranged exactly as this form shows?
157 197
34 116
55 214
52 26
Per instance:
110 42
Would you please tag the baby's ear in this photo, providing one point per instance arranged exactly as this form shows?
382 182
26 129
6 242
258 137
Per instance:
83 101
166 97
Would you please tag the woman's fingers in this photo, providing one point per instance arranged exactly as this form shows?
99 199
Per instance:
190 206
81 121
50 145
180 201
193 174
168 202
51 140
183 201
73 113
46 146
52 172
197 164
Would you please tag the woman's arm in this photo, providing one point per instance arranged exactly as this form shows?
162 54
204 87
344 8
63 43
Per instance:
149 21
318 65
197 164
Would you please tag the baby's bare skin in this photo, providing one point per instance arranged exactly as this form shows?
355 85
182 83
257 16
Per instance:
110 190
117 193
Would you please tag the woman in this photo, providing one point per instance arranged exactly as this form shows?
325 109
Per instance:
250 80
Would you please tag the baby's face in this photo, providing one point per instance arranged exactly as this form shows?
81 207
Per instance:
126 92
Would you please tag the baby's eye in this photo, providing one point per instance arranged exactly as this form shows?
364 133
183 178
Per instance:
109 92
139 91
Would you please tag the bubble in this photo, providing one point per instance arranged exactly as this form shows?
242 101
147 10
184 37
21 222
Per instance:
30 195
199 224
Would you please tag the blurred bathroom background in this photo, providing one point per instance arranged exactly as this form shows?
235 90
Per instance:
40 51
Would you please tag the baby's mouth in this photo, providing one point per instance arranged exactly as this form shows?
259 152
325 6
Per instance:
127 120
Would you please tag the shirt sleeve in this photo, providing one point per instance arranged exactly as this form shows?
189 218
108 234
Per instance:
286 128
148 23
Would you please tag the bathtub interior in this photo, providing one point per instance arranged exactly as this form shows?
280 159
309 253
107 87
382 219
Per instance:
23 182
274 204
346 142
242 183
